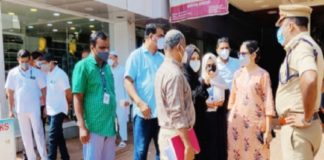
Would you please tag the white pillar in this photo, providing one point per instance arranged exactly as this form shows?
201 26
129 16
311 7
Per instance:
122 38
3 101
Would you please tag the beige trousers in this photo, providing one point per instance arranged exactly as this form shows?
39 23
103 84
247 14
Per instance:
301 143
164 141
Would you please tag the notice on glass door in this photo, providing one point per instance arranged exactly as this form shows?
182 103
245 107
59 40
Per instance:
7 140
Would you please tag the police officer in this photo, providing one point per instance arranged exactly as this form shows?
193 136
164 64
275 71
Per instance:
300 86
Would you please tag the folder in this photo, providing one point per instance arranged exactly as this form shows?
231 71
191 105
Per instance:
178 147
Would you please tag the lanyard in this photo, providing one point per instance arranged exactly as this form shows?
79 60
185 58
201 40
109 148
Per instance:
30 71
103 79
288 75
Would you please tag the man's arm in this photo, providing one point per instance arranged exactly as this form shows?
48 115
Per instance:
130 88
78 108
69 96
308 84
10 94
43 90
323 86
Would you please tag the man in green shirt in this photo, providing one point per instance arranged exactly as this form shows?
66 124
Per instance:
94 101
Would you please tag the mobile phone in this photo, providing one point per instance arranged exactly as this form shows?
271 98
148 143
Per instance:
260 136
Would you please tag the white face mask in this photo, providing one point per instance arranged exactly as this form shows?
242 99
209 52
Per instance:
24 66
110 62
195 65
45 68
224 54
38 64
184 58
244 60
160 43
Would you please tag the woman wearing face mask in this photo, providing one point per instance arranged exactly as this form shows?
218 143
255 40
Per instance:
191 62
252 108
215 115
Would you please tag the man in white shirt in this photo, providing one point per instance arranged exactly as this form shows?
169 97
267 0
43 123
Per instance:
35 62
58 98
24 86
226 65
122 97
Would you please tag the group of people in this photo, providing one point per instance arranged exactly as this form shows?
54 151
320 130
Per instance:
38 89
227 101
35 88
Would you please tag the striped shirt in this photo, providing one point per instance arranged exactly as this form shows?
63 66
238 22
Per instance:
87 79
173 97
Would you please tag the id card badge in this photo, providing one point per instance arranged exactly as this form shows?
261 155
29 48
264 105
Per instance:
106 98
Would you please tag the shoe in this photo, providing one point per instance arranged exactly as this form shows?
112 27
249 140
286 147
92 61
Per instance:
122 144
25 156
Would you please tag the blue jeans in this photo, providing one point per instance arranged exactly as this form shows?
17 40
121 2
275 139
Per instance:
56 138
144 131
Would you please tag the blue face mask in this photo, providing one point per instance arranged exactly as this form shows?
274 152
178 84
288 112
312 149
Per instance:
280 37
103 55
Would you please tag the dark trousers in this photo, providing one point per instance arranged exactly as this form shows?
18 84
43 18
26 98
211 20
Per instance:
43 118
56 138
216 133
144 131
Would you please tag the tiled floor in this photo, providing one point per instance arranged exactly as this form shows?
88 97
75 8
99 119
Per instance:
75 150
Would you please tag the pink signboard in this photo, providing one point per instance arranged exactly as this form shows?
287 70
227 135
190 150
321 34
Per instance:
191 9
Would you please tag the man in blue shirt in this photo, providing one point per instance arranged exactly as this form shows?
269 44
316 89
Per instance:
141 67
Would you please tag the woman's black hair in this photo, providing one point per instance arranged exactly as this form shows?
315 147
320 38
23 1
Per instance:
253 47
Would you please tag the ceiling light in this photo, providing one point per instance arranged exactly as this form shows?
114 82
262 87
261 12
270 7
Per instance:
49 25
30 27
14 20
265 6
11 13
33 10
69 22
88 9
56 14
272 12
91 26
72 28
93 31
259 1
55 30
91 19
76 32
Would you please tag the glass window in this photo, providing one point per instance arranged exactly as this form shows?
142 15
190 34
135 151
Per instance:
30 28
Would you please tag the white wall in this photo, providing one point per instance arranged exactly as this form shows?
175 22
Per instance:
123 38
3 102
148 8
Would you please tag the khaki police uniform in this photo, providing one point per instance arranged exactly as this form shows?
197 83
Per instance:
303 54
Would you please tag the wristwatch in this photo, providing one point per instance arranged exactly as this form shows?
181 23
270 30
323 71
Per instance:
307 123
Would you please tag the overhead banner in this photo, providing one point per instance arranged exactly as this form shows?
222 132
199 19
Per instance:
192 9
7 140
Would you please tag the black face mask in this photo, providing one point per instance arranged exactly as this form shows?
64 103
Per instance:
211 68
